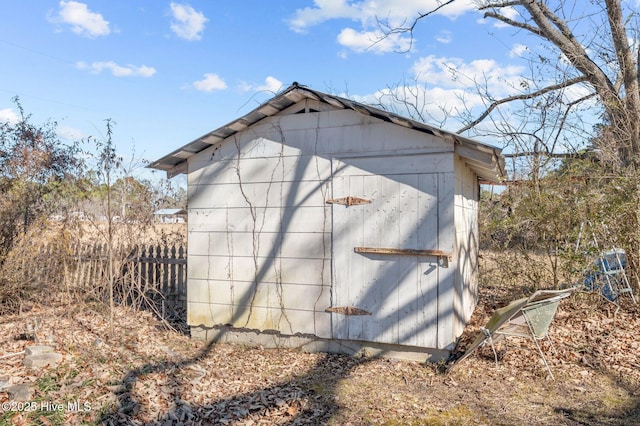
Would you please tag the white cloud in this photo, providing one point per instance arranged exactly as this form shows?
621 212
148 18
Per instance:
82 21
209 83
438 106
579 91
117 70
187 24
395 12
509 12
245 87
518 50
324 10
445 89
373 41
371 15
456 73
271 84
445 37
7 115
69 133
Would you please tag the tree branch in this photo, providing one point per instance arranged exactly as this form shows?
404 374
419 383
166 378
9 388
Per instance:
556 31
424 15
513 23
389 30
563 120
525 96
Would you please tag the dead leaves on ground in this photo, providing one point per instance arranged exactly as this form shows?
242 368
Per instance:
150 375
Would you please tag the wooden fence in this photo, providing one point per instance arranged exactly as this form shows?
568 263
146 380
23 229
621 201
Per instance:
152 269
164 267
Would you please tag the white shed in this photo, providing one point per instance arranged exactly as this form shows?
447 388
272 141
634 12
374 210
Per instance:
319 222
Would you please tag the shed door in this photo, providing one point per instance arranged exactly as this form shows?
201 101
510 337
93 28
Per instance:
386 298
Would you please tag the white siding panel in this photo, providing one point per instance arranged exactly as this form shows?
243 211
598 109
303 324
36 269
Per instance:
446 281
344 131
305 193
466 211
231 195
396 164
209 171
245 170
306 298
297 142
306 167
261 307
324 133
322 324
418 300
272 270
301 297
248 143
287 123
233 268
260 219
215 220
347 267
428 212
422 331
230 244
223 150
303 245
287 321
309 271
290 194
209 291
256 170
207 314
306 219
259 147
307 245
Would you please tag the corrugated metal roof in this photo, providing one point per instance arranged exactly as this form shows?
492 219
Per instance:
484 159
170 211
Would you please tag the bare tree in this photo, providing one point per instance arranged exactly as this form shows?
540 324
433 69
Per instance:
589 48
581 90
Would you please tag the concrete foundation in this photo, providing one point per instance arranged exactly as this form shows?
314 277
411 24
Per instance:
310 343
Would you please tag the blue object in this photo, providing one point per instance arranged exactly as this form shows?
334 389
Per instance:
604 272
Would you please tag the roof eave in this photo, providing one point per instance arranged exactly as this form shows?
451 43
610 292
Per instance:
485 160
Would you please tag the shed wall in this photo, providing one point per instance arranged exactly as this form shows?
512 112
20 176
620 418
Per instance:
259 241
260 231
466 231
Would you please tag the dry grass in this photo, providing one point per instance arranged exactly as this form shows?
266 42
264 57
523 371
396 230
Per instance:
172 233
149 375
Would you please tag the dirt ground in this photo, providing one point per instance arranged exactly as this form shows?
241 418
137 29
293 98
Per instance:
149 374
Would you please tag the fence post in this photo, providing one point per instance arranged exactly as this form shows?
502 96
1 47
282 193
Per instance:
172 273
151 269
157 268
182 274
163 255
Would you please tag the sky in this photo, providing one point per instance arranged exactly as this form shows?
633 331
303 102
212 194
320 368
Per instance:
167 72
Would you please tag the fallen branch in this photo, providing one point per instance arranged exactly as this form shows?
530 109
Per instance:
10 355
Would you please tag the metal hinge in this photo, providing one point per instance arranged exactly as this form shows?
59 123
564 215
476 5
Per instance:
347 310
348 201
